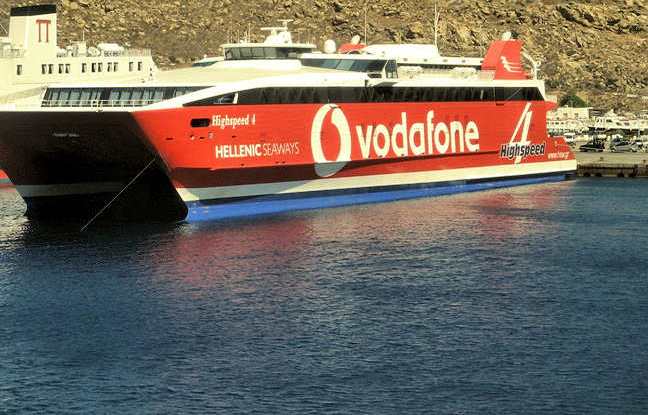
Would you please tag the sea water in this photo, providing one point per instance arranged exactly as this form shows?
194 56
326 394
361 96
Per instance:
525 300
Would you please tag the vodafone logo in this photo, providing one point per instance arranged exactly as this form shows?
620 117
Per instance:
323 166
400 137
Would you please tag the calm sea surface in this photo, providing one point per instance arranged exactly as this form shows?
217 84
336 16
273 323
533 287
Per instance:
526 300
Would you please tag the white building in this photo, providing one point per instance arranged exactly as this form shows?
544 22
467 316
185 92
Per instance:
569 119
31 59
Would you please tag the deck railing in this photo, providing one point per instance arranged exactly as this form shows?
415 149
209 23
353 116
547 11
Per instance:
98 103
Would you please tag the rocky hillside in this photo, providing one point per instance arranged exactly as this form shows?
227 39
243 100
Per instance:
598 49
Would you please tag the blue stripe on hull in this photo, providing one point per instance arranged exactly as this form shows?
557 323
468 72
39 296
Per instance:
263 205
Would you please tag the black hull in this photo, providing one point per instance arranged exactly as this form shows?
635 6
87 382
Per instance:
70 165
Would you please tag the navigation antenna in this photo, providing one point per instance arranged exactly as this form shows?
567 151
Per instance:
365 25
437 15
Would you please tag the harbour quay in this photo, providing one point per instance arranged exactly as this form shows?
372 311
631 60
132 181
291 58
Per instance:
621 165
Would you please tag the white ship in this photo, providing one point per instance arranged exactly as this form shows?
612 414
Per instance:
30 58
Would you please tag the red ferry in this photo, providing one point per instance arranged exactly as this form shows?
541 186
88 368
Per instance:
274 126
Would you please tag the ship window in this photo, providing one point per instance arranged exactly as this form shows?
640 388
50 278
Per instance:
100 67
19 70
391 70
64 97
114 96
139 66
50 68
61 66
233 54
270 53
257 53
75 96
84 67
200 122
51 98
94 67
85 97
180 91
67 68
137 96
44 69
345 64
116 66
125 97
159 95
219 100
109 67
311 95
95 95
131 65
147 96
331 63
246 53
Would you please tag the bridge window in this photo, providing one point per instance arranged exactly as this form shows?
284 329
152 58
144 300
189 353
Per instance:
19 70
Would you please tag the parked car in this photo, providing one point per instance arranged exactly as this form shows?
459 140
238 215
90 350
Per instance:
641 143
596 145
622 145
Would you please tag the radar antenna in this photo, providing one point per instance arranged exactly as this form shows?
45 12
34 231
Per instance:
437 15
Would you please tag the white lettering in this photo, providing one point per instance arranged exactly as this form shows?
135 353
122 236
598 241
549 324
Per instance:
472 137
457 135
381 151
400 130
226 121
430 131
365 140
442 147
418 149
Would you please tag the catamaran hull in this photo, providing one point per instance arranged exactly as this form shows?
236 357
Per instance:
252 160
70 165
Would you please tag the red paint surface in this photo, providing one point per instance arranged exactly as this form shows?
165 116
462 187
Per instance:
190 153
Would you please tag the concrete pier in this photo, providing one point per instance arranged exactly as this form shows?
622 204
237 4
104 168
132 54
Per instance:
612 164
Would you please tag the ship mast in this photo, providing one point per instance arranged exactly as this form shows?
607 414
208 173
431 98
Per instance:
437 15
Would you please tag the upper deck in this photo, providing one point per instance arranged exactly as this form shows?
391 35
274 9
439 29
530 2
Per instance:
279 63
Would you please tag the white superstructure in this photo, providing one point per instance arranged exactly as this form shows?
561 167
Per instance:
31 59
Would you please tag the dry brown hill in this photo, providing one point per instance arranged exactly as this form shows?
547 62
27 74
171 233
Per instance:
597 48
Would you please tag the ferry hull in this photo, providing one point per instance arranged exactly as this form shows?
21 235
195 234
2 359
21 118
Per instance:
70 165
291 158
217 209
